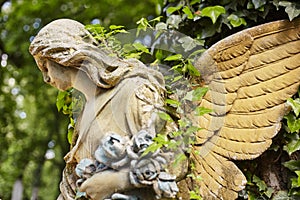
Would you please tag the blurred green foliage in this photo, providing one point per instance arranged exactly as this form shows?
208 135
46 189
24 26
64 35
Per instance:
33 135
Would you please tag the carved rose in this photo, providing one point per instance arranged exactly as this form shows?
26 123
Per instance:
112 151
142 141
84 170
145 171
165 186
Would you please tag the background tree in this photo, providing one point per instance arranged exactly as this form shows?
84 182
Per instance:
33 135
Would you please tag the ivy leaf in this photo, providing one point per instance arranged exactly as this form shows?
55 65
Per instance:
70 134
143 24
174 21
188 43
292 122
295 104
199 111
213 12
192 69
296 181
114 27
189 96
281 195
293 145
188 12
292 165
195 1
195 195
161 26
140 47
258 3
172 9
161 139
173 103
152 148
236 21
260 183
165 116
199 93
174 57
179 158
60 100
196 94
291 8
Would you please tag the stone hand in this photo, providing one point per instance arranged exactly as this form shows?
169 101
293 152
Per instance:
104 184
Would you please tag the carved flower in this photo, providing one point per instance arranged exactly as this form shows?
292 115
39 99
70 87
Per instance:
165 186
142 140
112 151
145 171
84 170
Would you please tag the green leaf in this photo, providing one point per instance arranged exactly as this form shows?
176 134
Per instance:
70 135
195 195
292 122
258 3
171 9
128 48
140 47
291 8
192 129
113 27
188 43
236 21
296 181
134 55
260 183
199 93
152 148
177 78
165 116
173 57
179 159
281 195
295 104
143 24
161 26
213 12
173 21
292 165
173 103
269 192
196 94
156 19
199 111
192 69
189 96
194 2
188 12
292 146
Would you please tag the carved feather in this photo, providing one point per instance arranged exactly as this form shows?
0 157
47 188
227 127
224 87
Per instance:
250 75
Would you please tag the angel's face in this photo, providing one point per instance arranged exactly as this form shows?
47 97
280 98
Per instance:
55 74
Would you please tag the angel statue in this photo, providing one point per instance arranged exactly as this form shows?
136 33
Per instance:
250 75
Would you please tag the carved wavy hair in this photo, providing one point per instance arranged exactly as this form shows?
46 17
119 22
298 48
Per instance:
69 44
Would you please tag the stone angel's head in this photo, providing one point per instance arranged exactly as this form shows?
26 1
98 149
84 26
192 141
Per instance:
64 47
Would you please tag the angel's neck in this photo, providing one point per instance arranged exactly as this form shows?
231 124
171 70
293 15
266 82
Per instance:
83 83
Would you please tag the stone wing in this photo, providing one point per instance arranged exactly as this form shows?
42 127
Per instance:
250 76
